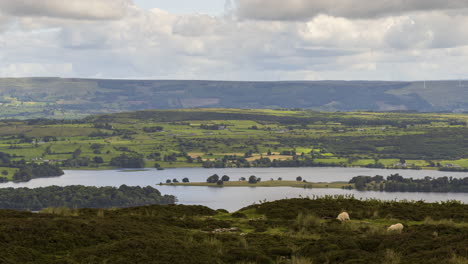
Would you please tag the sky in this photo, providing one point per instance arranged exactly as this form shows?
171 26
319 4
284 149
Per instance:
211 7
246 40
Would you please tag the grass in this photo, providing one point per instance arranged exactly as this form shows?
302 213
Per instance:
10 172
61 211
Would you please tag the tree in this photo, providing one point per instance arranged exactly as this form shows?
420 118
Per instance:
299 178
168 181
242 179
175 181
124 161
98 160
5 172
213 178
185 180
96 146
48 150
22 176
225 178
220 183
252 179
280 179
153 129
76 153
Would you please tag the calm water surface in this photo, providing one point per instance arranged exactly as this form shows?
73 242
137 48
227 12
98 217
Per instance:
235 198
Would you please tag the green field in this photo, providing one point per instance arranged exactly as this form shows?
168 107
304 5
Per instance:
241 138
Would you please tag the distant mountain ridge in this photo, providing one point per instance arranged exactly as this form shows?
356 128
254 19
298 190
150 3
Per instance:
75 98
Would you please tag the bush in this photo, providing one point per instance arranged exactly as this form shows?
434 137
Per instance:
307 222
238 215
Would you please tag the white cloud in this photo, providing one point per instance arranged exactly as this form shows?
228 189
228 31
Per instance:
161 45
306 9
4 21
69 9
35 69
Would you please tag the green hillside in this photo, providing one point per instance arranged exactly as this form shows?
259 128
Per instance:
297 231
75 98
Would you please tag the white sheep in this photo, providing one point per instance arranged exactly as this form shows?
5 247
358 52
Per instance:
397 228
344 216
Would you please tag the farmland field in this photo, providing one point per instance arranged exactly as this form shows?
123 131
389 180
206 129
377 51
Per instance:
239 138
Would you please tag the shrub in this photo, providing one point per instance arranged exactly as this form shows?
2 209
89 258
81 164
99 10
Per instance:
391 257
238 215
306 221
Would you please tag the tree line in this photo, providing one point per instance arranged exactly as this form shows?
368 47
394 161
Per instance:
81 197
397 183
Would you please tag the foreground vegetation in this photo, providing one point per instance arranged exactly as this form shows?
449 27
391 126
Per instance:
81 197
289 231
219 138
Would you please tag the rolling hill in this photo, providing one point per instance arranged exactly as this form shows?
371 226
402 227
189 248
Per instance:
75 98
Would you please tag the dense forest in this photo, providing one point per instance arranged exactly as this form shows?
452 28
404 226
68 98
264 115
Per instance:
297 231
397 183
81 197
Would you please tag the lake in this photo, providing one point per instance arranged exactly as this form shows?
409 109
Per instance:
235 198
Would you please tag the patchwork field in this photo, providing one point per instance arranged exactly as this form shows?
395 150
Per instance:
239 138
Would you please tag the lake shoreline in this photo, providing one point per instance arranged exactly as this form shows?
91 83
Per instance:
199 167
